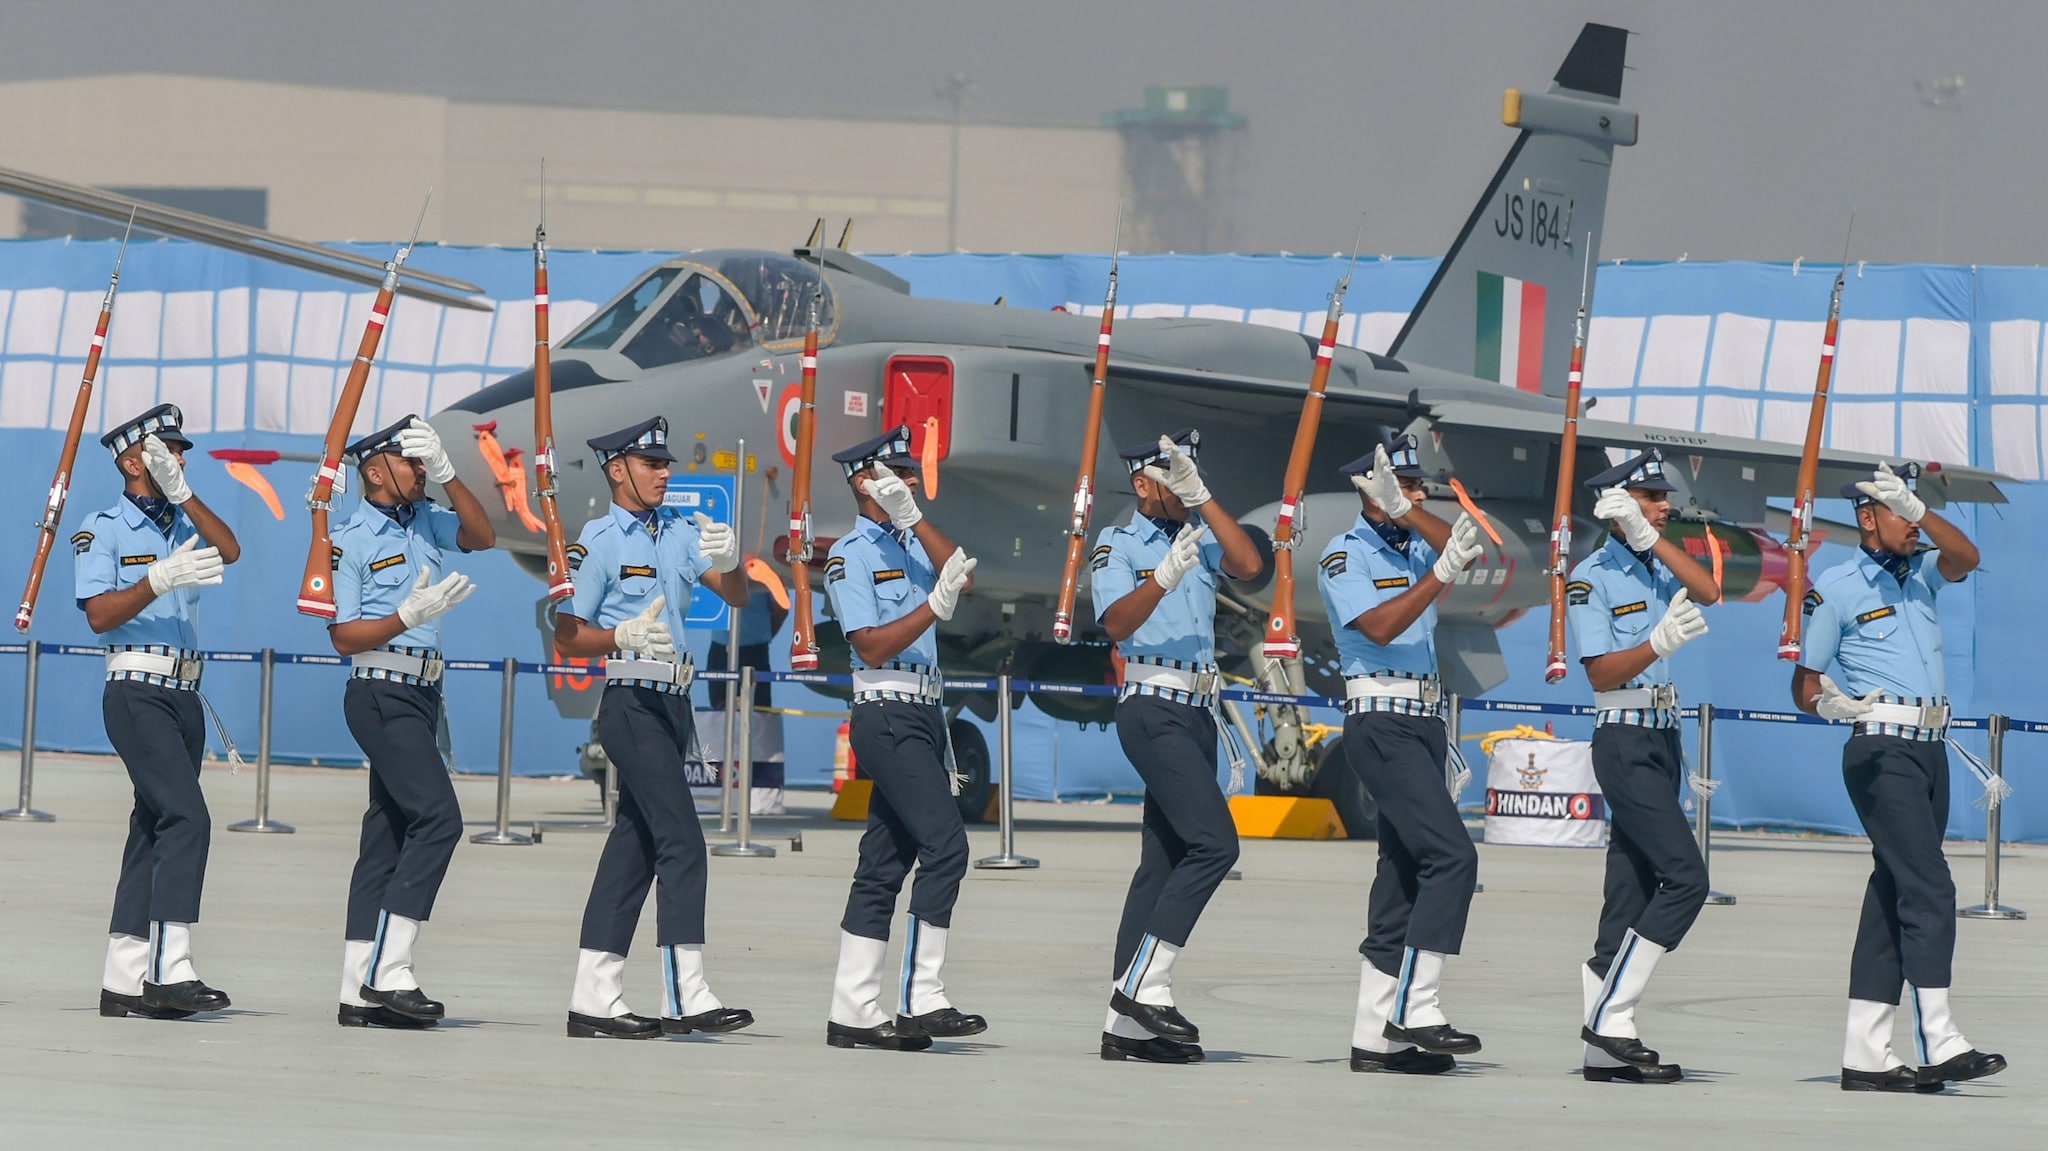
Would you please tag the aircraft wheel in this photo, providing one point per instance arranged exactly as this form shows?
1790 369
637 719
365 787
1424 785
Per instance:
970 756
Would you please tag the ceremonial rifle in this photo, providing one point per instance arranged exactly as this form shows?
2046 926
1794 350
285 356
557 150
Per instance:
803 649
1281 640
316 587
1567 479
60 487
1091 438
1797 539
560 585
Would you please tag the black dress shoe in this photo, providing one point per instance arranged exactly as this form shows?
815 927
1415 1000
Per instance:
115 1005
377 1015
1442 1038
1969 1065
1407 1061
1629 1050
190 997
945 1023
1163 1020
882 1035
627 1026
717 1021
410 1002
1636 1073
1900 1079
1117 1048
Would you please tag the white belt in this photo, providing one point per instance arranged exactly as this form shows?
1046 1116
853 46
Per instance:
421 667
649 671
1660 697
150 663
1190 680
1392 687
896 681
1934 715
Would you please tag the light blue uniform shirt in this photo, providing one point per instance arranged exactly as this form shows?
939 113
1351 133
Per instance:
873 578
1612 603
377 562
1360 571
114 549
1183 626
620 566
1881 635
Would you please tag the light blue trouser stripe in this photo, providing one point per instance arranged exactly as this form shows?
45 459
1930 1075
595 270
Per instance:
1139 962
1628 950
377 949
909 967
672 990
156 953
1399 1018
1919 1028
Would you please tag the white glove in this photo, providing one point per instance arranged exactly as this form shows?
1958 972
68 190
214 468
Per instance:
895 496
1382 487
647 633
1888 489
717 543
421 442
1617 505
1837 706
1682 624
1179 474
1183 557
1459 551
951 582
189 565
432 601
164 468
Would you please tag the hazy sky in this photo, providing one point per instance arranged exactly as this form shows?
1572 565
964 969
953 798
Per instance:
1762 120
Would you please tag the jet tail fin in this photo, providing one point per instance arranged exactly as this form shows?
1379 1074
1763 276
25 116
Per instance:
1501 304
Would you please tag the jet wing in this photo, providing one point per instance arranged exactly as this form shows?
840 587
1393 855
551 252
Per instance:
1726 474
1239 394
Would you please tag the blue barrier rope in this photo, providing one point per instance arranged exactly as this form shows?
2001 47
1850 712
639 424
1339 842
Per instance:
1029 687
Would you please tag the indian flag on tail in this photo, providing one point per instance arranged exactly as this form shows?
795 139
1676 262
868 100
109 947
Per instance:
1510 346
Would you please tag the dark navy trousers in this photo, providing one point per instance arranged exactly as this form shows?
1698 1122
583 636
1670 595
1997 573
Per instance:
657 841
1907 933
414 822
1428 868
912 818
1188 843
160 734
1656 880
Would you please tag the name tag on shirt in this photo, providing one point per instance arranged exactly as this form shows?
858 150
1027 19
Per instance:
1632 608
1877 614
1144 575
1391 582
131 561
628 571
888 574
387 562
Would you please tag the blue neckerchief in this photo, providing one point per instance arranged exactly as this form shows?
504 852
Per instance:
903 536
401 514
1899 566
1397 537
157 510
1170 527
1647 558
648 520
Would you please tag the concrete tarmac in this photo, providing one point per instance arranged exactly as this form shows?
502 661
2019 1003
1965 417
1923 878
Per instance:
1752 1005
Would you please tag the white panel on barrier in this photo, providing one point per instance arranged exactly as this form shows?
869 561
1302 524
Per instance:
1728 415
273 395
1737 360
312 400
2015 448
452 386
6 310
1376 330
316 331
564 317
68 375
276 313
401 391
1674 355
512 335
1935 431
355 317
190 386
231 398
1867 358
1542 793
231 318
1268 317
130 389
1215 312
1138 312
32 324
2016 358
188 326
136 332
1794 356
1613 345
1937 358
464 336
1784 421
1347 330
1864 427
1682 412
81 318
27 388
412 334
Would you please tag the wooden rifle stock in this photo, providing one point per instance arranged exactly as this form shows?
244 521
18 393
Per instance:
1282 640
60 486
803 648
316 586
1567 479
561 585
1084 483
1796 540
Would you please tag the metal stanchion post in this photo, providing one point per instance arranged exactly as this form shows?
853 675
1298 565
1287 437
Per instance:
1704 802
1006 859
263 823
1454 729
25 813
743 755
732 660
1991 908
503 833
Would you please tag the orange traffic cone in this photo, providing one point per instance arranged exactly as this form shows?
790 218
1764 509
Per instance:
842 756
